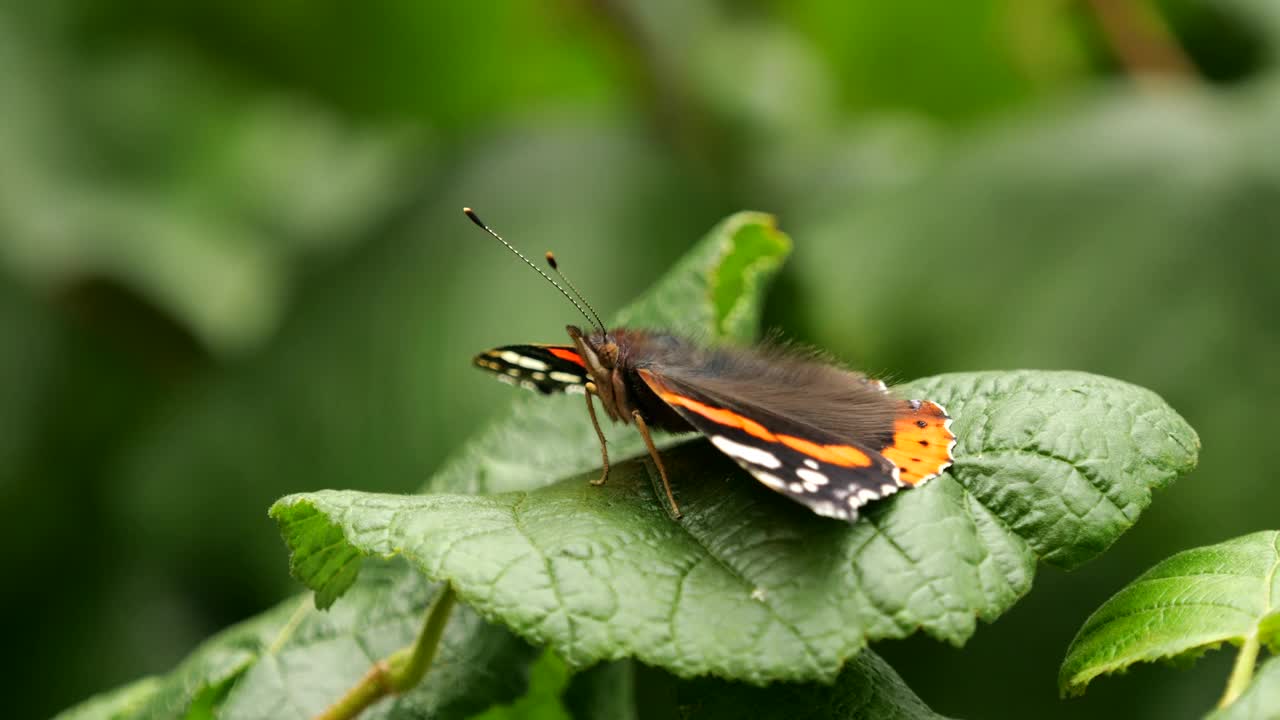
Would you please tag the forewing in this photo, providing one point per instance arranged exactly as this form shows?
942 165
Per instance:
542 368
832 476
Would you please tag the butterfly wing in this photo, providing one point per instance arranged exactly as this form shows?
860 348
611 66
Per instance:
832 476
542 368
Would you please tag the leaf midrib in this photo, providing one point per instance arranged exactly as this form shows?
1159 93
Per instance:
750 585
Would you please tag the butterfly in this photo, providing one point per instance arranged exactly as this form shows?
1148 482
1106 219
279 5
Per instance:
829 438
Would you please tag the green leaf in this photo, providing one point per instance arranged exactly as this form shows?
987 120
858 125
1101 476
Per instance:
1189 603
121 702
1261 701
327 653
252 184
605 690
292 661
548 678
752 587
867 689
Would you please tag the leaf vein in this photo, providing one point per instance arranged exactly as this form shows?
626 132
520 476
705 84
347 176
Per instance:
809 650
1172 605
1088 474
552 580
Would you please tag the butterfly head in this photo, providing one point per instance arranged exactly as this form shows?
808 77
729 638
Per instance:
601 355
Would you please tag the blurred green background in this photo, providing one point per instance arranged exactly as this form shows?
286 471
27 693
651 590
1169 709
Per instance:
232 264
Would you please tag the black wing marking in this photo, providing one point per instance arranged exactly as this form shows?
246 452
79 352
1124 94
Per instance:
831 476
542 368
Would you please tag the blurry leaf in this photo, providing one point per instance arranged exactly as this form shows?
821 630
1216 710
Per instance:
1193 601
1049 465
970 68
122 702
292 662
604 690
329 652
1260 15
502 58
1261 701
867 689
548 678
29 336
206 674
155 171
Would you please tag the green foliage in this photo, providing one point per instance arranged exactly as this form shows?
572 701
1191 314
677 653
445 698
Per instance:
1189 603
1261 701
293 661
222 174
602 573
124 701
741 253
292 182
548 679
867 689
1049 465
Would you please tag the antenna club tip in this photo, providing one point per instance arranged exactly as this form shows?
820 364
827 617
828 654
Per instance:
551 260
474 218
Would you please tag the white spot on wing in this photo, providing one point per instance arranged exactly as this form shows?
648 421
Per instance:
812 477
772 481
811 463
746 453
565 377
528 363
831 510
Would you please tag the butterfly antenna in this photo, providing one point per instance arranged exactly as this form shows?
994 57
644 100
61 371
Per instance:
480 223
551 260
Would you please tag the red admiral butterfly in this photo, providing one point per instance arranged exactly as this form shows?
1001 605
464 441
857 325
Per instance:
826 437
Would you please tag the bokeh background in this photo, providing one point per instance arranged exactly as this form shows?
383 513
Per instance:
232 264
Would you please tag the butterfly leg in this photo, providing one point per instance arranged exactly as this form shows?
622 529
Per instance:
604 450
657 460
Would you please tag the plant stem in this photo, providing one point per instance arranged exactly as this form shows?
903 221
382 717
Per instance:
402 669
1141 39
407 675
1242 672
289 627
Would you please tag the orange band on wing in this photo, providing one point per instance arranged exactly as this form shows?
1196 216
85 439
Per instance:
569 355
922 442
719 416
842 455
